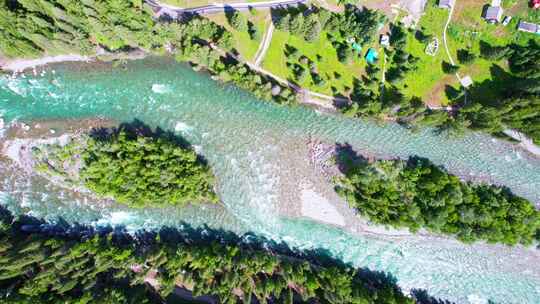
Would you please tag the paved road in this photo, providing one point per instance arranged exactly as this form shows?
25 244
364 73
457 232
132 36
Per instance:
220 8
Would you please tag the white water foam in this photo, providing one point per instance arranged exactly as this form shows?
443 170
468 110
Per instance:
161 88
182 127
16 87
476 299
118 218
198 149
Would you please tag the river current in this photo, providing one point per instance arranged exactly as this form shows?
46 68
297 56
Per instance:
239 134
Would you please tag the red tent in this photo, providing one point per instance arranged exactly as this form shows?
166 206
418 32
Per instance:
535 4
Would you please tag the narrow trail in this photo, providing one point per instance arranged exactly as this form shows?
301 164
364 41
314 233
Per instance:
445 40
263 47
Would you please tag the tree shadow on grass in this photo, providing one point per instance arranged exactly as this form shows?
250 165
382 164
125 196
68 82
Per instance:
489 91
453 94
229 12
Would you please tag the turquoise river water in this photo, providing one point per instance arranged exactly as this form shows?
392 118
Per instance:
239 136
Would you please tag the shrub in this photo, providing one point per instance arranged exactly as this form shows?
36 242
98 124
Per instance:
238 21
253 31
345 54
449 68
466 56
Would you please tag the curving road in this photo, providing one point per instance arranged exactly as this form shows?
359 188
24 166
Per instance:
261 52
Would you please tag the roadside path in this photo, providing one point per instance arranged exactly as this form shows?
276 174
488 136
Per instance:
444 38
261 52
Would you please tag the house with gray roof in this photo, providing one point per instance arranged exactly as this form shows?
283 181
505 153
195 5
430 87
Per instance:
528 27
493 14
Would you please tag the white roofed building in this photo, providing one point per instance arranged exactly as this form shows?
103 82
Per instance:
446 3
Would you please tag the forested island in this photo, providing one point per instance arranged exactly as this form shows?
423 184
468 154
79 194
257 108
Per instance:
131 167
416 194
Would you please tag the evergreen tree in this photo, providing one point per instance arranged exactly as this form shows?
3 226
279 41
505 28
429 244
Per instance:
238 21
254 32
466 57
312 28
112 269
449 68
417 194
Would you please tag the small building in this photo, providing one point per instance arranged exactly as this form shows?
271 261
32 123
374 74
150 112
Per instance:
506 20
528 27
372 56
466 81
446 3
493 14
384 40
433 47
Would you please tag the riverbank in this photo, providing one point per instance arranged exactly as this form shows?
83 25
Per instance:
21 139
234 131
319 104
524 141
307 195
18 65
306 170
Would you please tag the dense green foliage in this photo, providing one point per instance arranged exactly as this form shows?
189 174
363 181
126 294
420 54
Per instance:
417 194
299 24
204 43
360 24
50 27
238 22
41 268
401 62
35 27
519 105
140 171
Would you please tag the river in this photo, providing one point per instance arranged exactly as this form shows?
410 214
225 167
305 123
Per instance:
242 138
